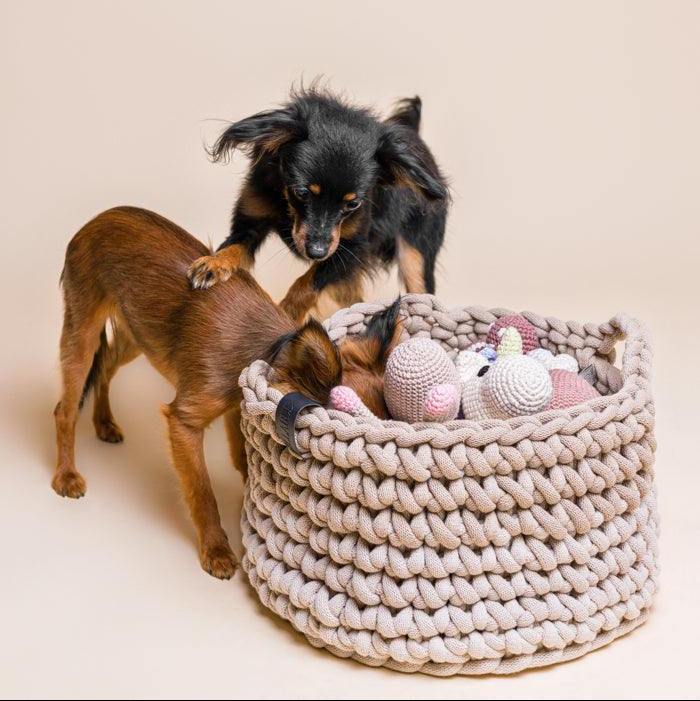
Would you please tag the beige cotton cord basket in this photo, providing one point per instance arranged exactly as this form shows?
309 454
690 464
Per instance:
471 547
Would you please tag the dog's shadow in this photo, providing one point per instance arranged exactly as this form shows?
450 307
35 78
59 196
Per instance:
139 470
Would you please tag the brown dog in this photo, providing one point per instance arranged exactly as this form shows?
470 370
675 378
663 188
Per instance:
128 265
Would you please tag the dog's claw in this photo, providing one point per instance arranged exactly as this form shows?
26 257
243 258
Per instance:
207 271
69 484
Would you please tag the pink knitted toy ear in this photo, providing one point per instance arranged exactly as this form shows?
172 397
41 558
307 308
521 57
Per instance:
442 403
345 399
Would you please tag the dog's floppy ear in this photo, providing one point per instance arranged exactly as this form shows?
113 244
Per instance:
306 361
370 350
384 329
405 160
262 134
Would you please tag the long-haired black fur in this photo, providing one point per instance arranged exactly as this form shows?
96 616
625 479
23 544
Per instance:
325 172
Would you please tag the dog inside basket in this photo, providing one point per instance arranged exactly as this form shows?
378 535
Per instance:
466 546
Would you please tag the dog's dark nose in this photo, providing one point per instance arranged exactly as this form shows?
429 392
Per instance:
316 250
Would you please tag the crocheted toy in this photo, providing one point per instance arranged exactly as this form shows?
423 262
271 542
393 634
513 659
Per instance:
513 385
569 389
554 362
345 399
530 344
421 382
525 340
527 331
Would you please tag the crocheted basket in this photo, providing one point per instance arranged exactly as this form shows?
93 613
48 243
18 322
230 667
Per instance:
467 547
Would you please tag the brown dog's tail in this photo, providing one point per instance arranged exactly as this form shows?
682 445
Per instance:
96 367
407 112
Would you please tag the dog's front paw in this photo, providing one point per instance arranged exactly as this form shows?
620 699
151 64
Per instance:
207 271
219 561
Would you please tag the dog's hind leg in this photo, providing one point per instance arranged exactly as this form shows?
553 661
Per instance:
236 441
80 339
122 350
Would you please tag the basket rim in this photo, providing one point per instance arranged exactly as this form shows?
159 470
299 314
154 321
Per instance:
635 376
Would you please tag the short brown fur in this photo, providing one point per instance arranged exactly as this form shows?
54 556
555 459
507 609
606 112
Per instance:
129 265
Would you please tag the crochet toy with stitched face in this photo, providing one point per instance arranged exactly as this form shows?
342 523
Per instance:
512 385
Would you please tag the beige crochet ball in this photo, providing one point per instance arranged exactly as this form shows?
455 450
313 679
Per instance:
413 369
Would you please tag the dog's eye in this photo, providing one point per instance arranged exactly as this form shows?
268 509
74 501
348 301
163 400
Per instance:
301 193
352 205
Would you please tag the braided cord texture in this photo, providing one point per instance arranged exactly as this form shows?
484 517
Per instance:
470 547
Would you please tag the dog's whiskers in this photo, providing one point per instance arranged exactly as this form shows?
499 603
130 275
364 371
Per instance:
274 255
345 248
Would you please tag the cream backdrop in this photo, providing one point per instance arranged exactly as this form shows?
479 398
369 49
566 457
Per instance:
570 133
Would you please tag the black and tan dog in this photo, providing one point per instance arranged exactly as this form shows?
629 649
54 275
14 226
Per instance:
344 190
128 265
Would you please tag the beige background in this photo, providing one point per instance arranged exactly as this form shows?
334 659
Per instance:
570 132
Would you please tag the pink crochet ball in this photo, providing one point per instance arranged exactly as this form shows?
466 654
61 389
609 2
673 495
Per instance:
524 327
569 389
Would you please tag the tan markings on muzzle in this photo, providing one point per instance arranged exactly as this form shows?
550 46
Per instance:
299 233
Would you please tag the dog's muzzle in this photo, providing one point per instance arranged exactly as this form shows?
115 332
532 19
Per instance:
317 250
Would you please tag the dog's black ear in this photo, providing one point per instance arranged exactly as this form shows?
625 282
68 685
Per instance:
405 160
384 328
262 134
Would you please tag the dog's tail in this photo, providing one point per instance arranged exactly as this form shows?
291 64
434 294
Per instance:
407 112
96 368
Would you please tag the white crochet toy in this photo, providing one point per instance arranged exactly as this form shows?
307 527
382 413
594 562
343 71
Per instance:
550 361
512 385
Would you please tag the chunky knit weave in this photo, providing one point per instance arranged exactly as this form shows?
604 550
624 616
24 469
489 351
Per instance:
467 547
